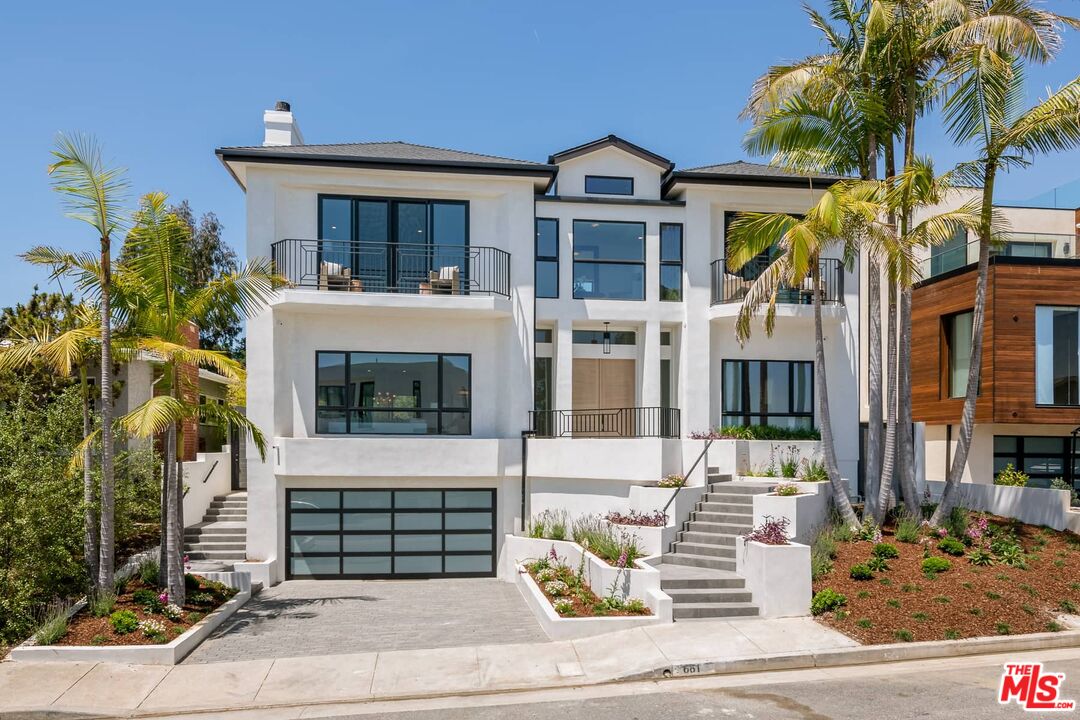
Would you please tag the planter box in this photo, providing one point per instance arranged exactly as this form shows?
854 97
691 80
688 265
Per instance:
777 575
651 540
1034 506
559 628
169 653
757 453
641 581
805 512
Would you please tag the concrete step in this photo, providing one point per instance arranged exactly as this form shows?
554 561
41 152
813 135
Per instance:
214 529
238 495
696 596
203 545
218 504
230 555
731 508
701 561
730 498
226 511
707 538
239 517
713 528
722 551
744 521
713 610
720 581
742 488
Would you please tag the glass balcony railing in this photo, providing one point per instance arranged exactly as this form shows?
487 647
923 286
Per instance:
944 258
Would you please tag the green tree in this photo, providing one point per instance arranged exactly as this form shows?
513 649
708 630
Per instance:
51 313
160 300
93 194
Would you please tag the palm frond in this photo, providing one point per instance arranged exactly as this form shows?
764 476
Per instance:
1053 125
246 291
92 192
223 414
171 351
154 416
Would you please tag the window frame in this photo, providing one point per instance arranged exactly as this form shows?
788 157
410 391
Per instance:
538 258
1020 455
438 411
746 415
671 263
608 177
1035 358
947 354
598 261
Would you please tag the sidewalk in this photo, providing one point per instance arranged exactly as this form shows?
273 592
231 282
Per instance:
112 689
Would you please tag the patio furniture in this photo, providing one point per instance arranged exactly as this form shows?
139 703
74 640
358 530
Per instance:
334 276
447 281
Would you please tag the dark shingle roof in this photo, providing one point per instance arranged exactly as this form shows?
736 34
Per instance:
387 151
741 172
611 141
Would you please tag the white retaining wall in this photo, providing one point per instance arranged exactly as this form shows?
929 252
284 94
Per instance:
1035 506
200 494
777 575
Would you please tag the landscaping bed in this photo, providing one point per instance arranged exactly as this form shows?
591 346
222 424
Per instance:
1002 578
571 596
142 615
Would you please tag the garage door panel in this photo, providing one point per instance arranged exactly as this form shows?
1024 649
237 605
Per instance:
384 533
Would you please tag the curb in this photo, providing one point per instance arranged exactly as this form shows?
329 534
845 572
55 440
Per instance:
865 655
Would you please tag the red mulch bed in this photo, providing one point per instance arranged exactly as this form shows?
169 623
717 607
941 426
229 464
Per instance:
85 629
586 602
965 601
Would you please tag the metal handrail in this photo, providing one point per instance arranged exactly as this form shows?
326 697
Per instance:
210 472
732 287
686 478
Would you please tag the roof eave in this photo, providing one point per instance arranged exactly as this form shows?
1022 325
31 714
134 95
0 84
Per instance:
612 141
692 178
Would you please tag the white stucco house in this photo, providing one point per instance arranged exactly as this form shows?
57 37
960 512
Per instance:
442 305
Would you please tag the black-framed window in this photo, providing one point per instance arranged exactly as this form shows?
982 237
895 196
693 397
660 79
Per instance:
609 260
609 185
768 392
544 335
547 258
390 393
1057 355
1042 458
596 337
389 244
957 332
671 261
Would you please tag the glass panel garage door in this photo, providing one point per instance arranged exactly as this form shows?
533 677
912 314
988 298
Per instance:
390 533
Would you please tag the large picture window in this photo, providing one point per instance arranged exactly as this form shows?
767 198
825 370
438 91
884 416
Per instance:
609 260
381 393
1042 458
547 258
671 260
1057 355
957 330
769 392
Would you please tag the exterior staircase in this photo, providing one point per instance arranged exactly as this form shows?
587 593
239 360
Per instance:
221 538
699 572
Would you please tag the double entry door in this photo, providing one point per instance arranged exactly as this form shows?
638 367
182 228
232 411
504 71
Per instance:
605 395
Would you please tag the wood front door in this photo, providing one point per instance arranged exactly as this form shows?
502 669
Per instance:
605 394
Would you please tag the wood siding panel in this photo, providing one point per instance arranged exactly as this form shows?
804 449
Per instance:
1008 380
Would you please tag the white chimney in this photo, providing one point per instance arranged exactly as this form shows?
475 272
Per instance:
281 126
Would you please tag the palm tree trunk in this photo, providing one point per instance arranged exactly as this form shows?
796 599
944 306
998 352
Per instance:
107 538
839 487
905 460
175 536
888 463
875 421
971 393
168 533
167 468
90 529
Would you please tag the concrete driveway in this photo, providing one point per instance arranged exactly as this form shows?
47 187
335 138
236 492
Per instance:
300 618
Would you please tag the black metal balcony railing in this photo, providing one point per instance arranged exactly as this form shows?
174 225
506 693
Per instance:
1046 246
636 422
732 287
419 269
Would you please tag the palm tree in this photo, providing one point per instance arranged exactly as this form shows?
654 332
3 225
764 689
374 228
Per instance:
984 110
796 246
66 353
161 305
93 194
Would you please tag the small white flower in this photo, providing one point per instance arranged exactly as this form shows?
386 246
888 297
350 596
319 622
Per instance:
556 588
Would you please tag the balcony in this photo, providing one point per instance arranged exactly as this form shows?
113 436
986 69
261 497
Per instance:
393 268
1036 246
732 287
636 422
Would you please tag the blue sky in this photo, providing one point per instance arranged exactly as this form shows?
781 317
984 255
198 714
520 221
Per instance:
163 84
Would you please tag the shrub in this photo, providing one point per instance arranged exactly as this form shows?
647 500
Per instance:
605 541
54 625
789 462
1059 484
935 565
756 432
826 600
1013 556
656 518
822 553
893 603
1012 477
194 617
101 604
772 531
786 489
761 471
556 588
635 606
869 531
907 528
991 595
814 471
550 524
564 606
976 611
1054 627
173 612
1003 628
951 634
910 588
191 582
885 550
957 522
920 616
863 594
154 630
200 598
979 556
903 635
864 623
99 640
148 571
124 622
671 481
877 564
149 600
951 546
943 599
1068 606
861 571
